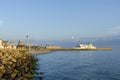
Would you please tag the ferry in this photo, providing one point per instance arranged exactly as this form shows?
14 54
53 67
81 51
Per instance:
85 46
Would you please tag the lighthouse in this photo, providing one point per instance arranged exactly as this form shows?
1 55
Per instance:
27 42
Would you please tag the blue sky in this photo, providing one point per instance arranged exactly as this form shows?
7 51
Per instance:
59 19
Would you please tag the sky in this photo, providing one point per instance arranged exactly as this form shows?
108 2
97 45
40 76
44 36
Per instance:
59 19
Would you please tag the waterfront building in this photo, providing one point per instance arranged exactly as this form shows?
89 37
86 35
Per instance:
20 45
11 45
52 47
7 45
1 44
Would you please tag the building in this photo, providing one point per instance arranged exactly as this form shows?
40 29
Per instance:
52 47
20 45
7 45
1 44
11 45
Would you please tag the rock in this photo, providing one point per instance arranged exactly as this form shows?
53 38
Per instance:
16 65
1 74
13 75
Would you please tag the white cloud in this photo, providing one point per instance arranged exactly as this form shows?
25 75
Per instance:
114 31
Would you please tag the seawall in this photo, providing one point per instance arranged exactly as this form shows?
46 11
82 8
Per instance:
79 49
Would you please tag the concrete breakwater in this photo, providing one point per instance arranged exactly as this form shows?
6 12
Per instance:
49 50
34 52
16 65
78 49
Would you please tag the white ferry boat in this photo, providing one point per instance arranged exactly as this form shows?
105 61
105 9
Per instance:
85 46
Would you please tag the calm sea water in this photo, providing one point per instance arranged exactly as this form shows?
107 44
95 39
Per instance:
80 65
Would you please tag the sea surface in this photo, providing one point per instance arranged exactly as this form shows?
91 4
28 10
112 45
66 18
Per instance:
79 65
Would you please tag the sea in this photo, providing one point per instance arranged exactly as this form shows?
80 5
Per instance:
79 65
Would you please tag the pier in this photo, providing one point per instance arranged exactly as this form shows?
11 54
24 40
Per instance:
77 49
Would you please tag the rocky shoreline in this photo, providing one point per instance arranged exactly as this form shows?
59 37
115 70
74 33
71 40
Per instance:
16 65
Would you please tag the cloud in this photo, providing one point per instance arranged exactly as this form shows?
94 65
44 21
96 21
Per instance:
114 31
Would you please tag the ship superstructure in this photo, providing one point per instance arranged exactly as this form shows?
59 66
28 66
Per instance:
85 46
